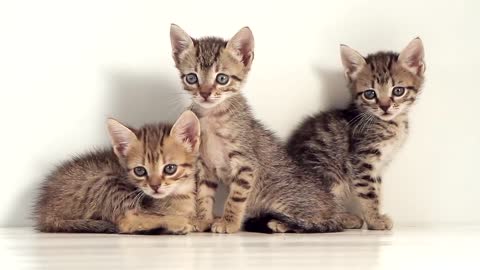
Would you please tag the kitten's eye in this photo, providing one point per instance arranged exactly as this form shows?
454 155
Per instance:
140 171
170 169
222 79
369 94
191 78
398 91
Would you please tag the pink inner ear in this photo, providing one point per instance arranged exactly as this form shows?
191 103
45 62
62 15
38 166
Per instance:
121 148
189 136
415 64
246 52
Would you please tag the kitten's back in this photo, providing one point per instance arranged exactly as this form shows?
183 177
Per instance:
66 193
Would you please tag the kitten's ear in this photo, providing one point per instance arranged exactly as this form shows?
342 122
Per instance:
352 61
242 45
123 139
412 57
187 131
180 40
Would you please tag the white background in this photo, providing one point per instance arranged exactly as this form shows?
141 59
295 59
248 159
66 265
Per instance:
67 65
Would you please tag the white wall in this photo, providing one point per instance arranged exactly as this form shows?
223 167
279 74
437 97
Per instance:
67 65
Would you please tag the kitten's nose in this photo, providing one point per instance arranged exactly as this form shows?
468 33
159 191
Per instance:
385 107
205 95
155 187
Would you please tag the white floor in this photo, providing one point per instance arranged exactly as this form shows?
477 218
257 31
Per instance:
404 248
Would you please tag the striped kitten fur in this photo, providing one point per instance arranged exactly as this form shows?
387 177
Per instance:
145 183
266 188
349 149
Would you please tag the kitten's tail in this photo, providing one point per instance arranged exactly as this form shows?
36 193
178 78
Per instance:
78 226
261 224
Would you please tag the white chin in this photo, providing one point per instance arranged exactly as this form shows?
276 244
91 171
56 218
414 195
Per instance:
388 117
206 105
159 195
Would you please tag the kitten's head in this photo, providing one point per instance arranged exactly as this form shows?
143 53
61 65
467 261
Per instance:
385 84
212 69
160 159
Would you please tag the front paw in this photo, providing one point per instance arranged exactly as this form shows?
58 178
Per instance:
223 226
382 222
201 225
129 224
179 225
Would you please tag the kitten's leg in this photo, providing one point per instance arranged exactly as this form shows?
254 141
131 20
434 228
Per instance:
350 221
236 203
135 221
341 192
206 190
367 191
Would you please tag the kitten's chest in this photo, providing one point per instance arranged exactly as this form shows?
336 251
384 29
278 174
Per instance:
215 146
387 148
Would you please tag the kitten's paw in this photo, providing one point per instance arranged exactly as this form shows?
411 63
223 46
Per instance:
179 225
129 224
201 225
277 227
350 221
223 226
382 222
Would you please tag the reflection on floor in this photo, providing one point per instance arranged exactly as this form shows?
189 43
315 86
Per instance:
404 248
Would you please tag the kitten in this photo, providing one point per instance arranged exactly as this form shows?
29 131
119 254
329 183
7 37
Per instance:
265 185
146 182
349 149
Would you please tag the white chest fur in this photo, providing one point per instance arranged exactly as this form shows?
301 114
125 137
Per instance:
388 149
215 147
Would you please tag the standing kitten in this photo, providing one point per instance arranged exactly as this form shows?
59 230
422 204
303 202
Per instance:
105 191
349 149
265 184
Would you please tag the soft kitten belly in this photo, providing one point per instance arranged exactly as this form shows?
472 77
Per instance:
214 152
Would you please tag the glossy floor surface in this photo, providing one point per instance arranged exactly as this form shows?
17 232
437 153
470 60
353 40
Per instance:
453 247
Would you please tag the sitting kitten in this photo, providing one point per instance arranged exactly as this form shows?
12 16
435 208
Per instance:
265 184
349 149
146 182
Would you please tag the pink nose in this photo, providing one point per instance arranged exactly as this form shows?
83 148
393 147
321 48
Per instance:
155 187
385 107
205 95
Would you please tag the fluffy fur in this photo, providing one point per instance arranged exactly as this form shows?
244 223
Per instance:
349 149
266 187
126 189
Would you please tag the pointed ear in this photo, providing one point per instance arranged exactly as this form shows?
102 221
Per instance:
412 57
187 131
122 138
242 45
352 61
180 40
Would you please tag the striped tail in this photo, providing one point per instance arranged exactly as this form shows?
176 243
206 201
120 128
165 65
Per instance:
78 226
260 224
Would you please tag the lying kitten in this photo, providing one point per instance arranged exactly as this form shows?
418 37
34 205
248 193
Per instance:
265 184
349 149
146 182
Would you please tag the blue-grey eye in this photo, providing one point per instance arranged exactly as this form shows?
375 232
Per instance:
191 78
222 79
369 94
140 171
398 91
170 169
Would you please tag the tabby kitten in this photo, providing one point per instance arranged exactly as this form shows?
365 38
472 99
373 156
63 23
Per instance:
266 187
349 149
146 182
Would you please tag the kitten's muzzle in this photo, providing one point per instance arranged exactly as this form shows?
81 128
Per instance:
154 188
205 95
